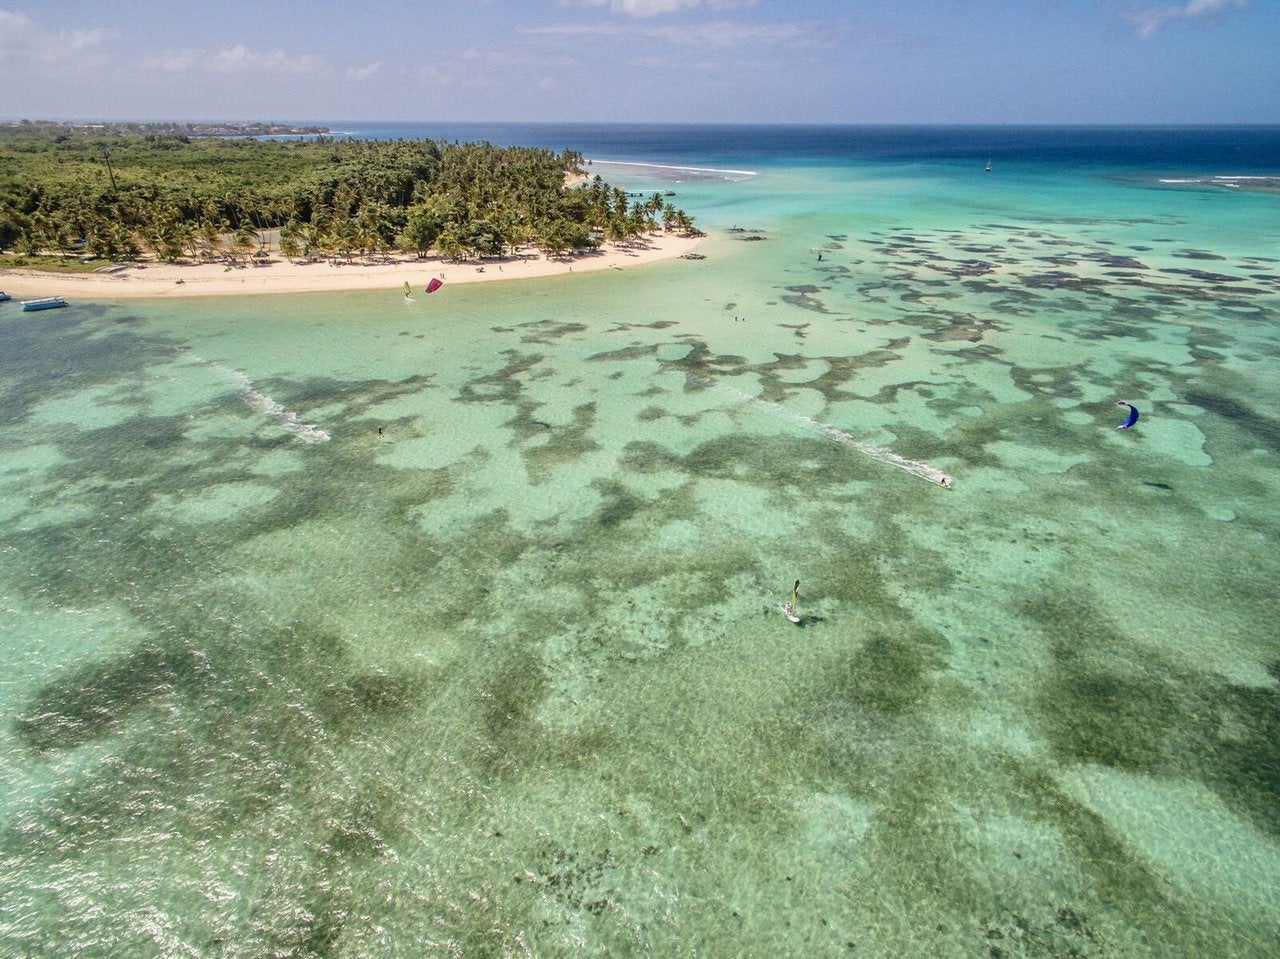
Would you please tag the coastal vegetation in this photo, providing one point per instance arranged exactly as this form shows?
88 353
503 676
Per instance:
118 195
54 128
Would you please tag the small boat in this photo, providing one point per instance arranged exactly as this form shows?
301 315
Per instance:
4 296
48 303
988 166
789 607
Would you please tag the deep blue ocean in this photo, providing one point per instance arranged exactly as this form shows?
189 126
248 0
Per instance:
1172 151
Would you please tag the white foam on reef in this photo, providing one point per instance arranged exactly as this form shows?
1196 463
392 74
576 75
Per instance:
680 169
1231 181
262 403
881 453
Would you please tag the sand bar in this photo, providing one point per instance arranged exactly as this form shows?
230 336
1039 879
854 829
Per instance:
278 275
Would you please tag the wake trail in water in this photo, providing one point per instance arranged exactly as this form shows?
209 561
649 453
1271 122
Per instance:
680 169
880 453
260 402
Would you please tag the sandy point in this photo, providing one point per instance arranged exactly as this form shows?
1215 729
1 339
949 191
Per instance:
277 275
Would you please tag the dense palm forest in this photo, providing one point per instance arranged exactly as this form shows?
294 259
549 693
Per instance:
117 196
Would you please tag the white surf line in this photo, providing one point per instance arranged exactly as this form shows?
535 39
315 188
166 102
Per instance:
881 453
262 403
669 166
1216 177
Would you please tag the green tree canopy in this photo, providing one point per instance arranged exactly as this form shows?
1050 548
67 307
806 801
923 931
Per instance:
114 194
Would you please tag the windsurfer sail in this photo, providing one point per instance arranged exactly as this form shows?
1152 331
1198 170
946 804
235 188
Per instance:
1132 417
435 284
407 289
789 607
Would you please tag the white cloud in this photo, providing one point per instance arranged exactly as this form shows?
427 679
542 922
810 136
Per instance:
240 57
432 76
574 30
367 72
175 61
727 35
1149 20
716 33
26 41
654 8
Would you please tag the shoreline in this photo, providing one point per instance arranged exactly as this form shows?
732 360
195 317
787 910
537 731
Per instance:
182 280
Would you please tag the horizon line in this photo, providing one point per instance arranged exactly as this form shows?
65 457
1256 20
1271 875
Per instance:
983 124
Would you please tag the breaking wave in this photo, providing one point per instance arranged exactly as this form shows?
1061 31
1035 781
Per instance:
1232 182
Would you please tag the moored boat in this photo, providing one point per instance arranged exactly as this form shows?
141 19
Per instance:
4 296
48 303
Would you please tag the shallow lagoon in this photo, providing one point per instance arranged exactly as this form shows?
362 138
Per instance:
514 679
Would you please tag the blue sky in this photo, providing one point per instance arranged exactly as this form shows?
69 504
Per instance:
732 61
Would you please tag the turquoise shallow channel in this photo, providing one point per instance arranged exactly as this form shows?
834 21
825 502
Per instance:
513 679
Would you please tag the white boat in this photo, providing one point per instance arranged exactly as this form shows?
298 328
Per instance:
48 303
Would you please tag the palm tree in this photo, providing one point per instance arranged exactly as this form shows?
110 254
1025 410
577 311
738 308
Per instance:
513 231
290 240
312 239
115 241
37 234
210 232
159 238
374 227
668 216
617 229
244 240
448 244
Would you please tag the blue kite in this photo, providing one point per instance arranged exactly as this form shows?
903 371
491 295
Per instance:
1132 417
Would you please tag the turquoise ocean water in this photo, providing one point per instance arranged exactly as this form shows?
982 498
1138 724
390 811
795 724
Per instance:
514 680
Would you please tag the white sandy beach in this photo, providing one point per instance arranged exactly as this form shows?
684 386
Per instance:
279 275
